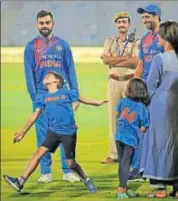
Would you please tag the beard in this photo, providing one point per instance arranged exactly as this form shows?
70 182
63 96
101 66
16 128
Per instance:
150 26
45 32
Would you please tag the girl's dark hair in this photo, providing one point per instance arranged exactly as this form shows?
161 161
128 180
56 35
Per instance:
169 32
137 90
58 77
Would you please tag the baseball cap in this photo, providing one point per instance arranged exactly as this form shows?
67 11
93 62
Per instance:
121 15
151 8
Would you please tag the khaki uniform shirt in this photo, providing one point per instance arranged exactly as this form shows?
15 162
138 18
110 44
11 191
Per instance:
111 47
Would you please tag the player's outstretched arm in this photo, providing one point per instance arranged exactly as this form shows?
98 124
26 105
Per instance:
20 135
92 102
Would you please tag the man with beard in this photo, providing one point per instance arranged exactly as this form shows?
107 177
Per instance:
149 47
120 54
43 54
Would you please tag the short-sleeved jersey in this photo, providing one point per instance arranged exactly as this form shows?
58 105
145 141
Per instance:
114 46
59 111
132 115
149 47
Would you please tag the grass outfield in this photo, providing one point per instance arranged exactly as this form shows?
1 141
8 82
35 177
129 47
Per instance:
91 149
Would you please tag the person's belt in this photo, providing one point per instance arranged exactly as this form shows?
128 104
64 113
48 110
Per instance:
121 77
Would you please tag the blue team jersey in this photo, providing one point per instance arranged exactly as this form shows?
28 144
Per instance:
58 109
42 56
132 115
149 46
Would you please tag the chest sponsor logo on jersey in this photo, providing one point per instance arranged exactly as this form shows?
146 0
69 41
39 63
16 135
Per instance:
50 60
50 56
149 55
54 98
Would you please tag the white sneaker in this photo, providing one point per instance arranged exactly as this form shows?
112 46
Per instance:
45 178
71 177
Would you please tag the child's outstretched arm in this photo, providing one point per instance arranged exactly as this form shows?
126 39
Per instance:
91 101
20 135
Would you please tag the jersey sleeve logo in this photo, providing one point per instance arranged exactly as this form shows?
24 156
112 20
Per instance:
128 116
58 48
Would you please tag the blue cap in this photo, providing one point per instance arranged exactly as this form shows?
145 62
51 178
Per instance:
151 8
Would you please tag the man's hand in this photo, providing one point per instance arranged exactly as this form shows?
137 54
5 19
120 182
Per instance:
18 137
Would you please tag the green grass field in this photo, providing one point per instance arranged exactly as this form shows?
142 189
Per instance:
91 149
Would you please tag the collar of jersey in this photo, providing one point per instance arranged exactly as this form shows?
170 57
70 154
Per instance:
153 33
45 39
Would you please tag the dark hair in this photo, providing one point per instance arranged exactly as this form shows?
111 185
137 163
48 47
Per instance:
58 77
137 90
169 32
44 13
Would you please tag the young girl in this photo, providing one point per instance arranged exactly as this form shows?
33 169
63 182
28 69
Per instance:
57 104
132 117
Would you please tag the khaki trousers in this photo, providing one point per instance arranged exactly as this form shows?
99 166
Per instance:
116 90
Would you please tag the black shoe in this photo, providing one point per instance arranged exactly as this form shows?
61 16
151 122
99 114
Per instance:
13 182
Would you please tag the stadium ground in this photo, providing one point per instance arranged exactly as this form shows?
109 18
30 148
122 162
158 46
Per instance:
91 149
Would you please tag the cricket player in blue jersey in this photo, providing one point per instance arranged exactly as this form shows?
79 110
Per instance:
43 54
149 47
57 104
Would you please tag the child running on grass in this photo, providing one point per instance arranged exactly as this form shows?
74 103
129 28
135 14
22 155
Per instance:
132 117
57 104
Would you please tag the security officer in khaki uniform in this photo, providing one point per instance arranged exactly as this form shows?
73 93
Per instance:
121 55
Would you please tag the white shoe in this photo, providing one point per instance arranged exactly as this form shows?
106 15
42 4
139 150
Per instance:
71 177
45 178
